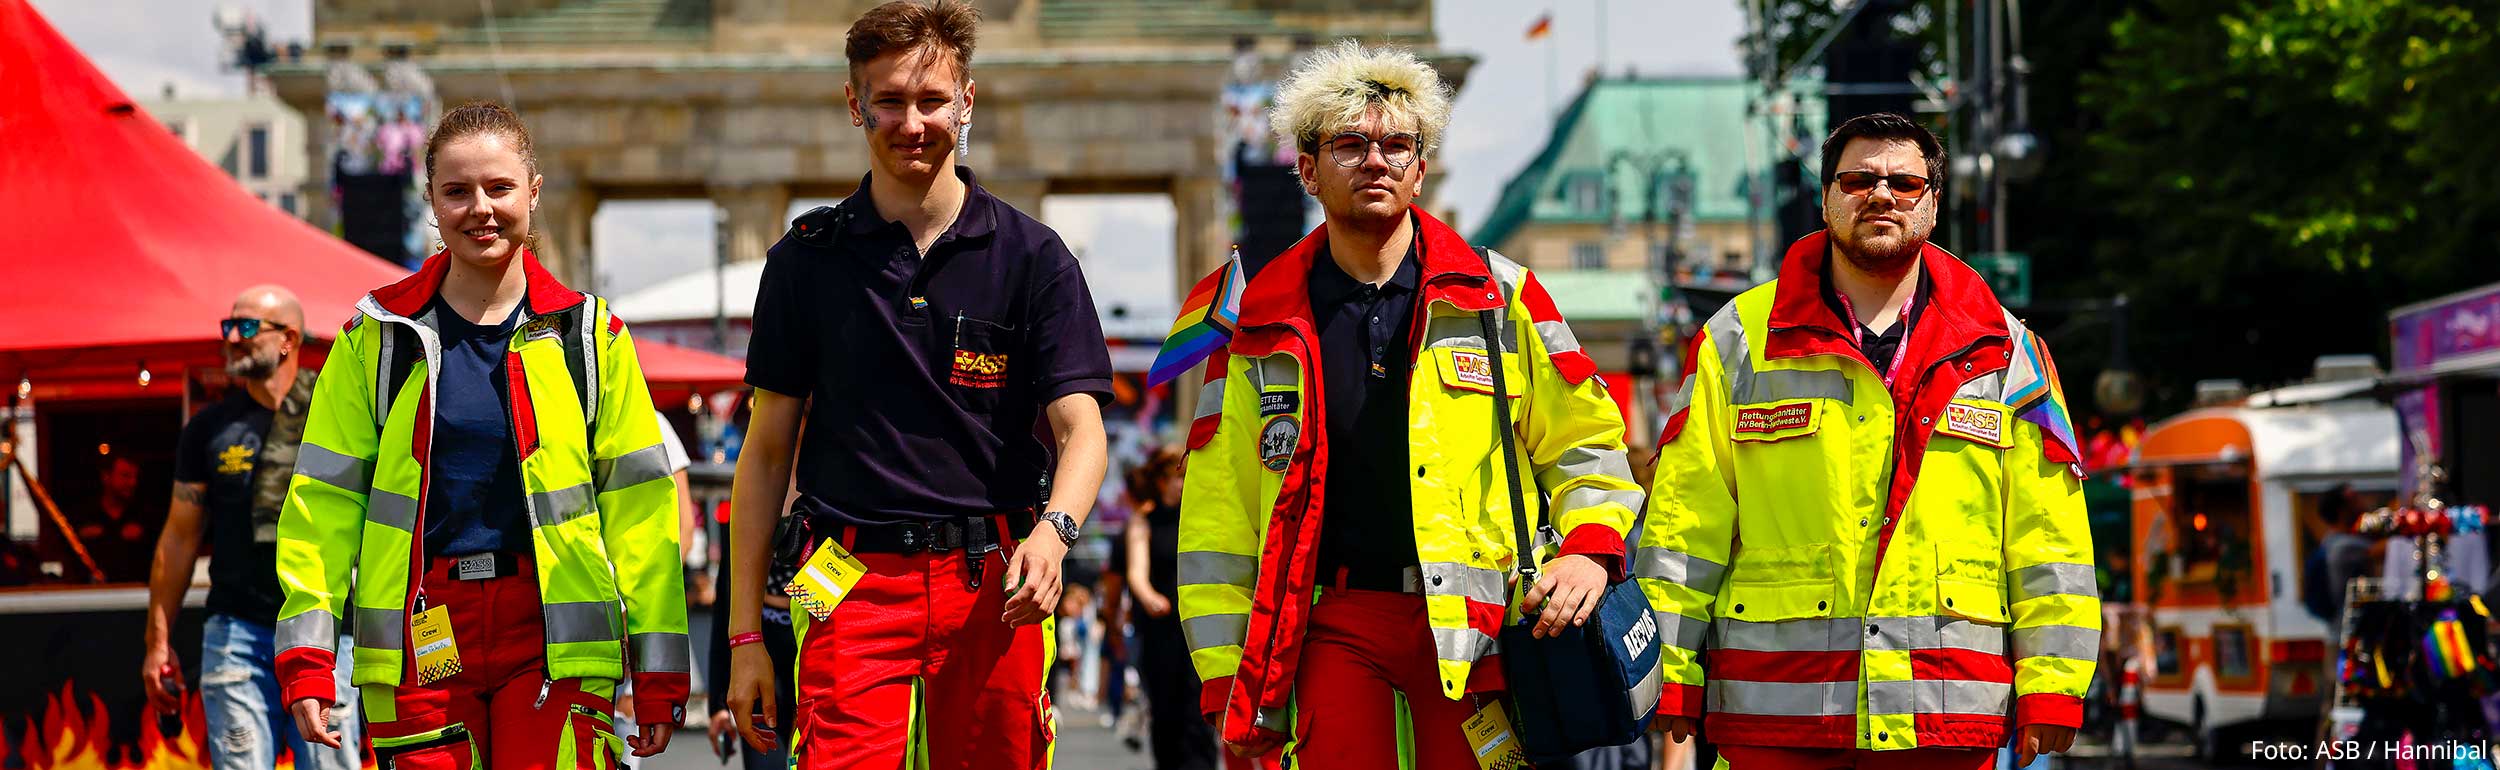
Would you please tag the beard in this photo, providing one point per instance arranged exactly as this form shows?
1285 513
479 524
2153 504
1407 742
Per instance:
257 365
1883 255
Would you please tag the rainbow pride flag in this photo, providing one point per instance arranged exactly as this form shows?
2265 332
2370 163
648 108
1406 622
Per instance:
2033 390
1208 319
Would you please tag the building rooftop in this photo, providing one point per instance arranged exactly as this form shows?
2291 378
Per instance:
1644 129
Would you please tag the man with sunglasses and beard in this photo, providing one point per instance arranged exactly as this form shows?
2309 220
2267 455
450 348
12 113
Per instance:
231 467
1867 501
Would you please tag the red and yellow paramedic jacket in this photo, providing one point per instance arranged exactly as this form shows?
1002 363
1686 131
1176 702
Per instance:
1872 568
1249 533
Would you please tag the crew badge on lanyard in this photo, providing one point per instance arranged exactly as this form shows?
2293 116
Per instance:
1858 337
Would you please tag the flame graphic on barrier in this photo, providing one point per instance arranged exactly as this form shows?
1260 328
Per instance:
74 733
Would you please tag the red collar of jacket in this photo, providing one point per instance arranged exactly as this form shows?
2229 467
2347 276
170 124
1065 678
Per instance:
1960 310
409 295
1451 272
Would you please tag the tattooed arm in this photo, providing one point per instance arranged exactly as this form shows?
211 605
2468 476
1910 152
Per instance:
177 549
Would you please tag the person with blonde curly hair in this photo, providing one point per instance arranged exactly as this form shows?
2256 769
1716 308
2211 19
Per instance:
1348 450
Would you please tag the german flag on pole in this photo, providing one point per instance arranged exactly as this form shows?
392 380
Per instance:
1544 25
1208 319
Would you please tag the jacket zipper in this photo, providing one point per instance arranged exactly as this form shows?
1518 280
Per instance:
414 601
1293 535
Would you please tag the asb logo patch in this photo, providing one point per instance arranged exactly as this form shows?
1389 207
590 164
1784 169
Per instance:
541 328
1974 423
979 370
1472 368
1773 419
1276 442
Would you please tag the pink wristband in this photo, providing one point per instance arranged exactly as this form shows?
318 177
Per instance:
741 640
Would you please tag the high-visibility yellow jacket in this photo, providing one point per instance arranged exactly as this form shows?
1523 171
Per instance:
602 502
1249 531
1872 568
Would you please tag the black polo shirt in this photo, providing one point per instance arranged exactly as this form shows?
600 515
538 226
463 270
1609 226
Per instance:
1879 348
1367 356
928 374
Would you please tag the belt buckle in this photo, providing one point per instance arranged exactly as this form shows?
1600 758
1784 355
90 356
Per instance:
916 537
476 566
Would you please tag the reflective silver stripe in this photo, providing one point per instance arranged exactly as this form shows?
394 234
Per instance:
1727 331
1557 336
1211 631
391 509
561 505
2074 642
1645 694
1988 388
661 652
580 622
1445 578
1682 398
1946 696
1786 384
1465 644
1211 398
2055 578
1803 635
317 629
379 629
384 349
1681 631
1462 331
591 325
1784 699
1202 568
632 469
1931 633
320 464
1279 369
1679 568
1581 461
1583 498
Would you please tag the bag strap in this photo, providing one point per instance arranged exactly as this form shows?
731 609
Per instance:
1494 342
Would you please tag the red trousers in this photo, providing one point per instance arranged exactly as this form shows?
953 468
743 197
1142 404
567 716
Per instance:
1362 650
491 714
1773 758
914 665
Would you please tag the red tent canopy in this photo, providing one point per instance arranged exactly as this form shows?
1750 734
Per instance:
120 246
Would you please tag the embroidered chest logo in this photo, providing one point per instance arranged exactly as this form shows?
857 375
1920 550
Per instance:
236 458
1473 368
979 370
1975 423
1773 419
541 328
1277 440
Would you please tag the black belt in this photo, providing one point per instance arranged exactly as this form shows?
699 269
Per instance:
1405 580
971 534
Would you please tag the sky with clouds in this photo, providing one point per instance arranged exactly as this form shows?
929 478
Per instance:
1499 122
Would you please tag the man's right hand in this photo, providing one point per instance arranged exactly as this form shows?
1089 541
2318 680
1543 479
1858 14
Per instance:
1259 746
312 720
1678 729
160 664
750 691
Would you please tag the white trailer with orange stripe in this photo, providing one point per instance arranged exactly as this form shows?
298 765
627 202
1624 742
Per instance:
2226 503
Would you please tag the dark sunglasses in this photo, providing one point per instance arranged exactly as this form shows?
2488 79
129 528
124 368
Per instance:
1863 182
246 328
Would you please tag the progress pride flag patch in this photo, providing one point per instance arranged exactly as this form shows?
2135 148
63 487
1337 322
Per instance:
1773 419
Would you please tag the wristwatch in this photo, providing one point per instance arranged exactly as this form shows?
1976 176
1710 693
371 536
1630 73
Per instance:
1065 524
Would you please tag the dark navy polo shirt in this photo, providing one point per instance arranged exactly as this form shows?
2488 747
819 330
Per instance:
473 498
1367 356
928 374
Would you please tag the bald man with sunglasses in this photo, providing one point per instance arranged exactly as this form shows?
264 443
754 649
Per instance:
231 467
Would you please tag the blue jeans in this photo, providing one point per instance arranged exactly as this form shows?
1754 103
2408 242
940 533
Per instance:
239 688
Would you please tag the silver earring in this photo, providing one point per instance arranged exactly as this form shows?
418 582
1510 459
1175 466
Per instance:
963 140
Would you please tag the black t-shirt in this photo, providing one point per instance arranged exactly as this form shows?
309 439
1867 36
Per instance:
929 375
1367 355
473 503
219 448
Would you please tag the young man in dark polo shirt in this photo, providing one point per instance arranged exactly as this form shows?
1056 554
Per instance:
937 332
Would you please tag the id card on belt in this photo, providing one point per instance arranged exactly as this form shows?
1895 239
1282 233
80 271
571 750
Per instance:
1496 745
826 578
438 658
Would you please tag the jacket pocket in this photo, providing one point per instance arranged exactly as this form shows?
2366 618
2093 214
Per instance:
1769 584
1970 583
449 748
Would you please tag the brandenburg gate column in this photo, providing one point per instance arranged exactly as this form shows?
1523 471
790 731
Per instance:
758 215
563 224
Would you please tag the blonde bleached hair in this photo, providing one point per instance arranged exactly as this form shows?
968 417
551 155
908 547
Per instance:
1333 88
